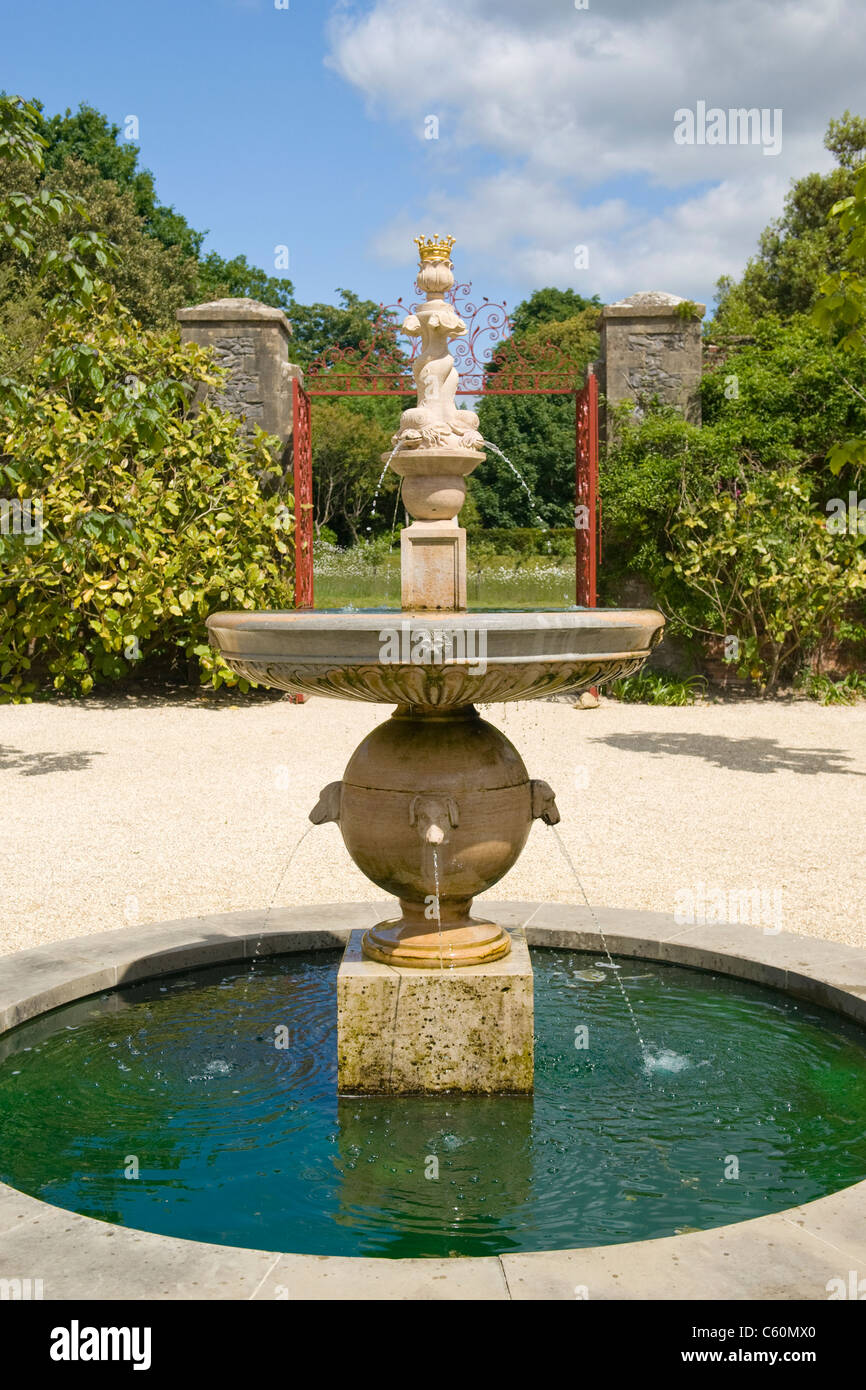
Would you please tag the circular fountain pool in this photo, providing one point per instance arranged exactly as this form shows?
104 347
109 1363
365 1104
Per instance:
204 1105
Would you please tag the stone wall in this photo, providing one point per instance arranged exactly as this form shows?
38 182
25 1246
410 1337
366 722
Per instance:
251 340
649 349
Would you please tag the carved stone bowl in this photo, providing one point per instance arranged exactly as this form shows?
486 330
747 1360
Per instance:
436 660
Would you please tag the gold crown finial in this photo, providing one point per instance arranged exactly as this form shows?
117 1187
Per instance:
434 248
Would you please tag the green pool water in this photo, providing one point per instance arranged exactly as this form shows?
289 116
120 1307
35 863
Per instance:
751 1102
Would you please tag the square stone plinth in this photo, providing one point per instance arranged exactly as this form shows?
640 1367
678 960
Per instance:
433 566
405 1030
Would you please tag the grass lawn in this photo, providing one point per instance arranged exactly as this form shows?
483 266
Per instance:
347 579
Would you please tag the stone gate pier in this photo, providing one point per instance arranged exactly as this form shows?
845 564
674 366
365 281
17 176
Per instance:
251 341
651 346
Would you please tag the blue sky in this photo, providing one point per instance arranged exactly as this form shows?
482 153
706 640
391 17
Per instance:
306 127
241 123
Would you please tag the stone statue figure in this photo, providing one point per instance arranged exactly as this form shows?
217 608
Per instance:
436 422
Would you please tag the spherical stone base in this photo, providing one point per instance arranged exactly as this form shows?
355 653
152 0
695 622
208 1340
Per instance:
402 943
435 807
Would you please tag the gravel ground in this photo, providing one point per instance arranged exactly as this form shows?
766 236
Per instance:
140 809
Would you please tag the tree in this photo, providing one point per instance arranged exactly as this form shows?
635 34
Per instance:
151 280
800 248
727 524
237 279
536 432
64 277
351 433
127 516
353 325
841 310
550 306
88 135
347 464
792 404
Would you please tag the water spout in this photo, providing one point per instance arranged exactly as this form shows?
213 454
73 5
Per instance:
544 805
433 817
327 808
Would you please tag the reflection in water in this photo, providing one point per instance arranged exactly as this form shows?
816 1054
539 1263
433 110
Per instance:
457 1168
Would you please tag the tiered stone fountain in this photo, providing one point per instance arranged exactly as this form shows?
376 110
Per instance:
436 805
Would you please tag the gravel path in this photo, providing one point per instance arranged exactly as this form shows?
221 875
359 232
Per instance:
140 809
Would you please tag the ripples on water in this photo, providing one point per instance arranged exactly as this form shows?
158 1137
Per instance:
241 1141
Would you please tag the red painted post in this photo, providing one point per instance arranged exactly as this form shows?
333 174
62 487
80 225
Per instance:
302 457
586 511
586 493
302 449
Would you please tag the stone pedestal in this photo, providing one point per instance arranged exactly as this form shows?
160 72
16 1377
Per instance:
416 1030
433 566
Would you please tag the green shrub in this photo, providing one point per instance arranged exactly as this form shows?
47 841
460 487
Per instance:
762 566
654 688
152 515
847 691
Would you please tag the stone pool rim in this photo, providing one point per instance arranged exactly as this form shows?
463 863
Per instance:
792 1254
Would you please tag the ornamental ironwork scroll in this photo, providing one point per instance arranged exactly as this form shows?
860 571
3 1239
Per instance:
488 357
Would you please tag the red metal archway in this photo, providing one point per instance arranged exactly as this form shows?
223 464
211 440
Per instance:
490 363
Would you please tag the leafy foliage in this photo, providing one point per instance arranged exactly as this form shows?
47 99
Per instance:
550 306
321 330
152 516
800 248
819 686
150 279
155 238
762 567
141 516
348 444
522 540
72 269
714 517
536 432
88 136
237 279
727 523
842 309
655 688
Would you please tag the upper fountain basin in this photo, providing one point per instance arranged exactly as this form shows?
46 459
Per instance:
444 460
436 660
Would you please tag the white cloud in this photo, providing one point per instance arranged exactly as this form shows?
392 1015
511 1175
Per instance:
566 101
